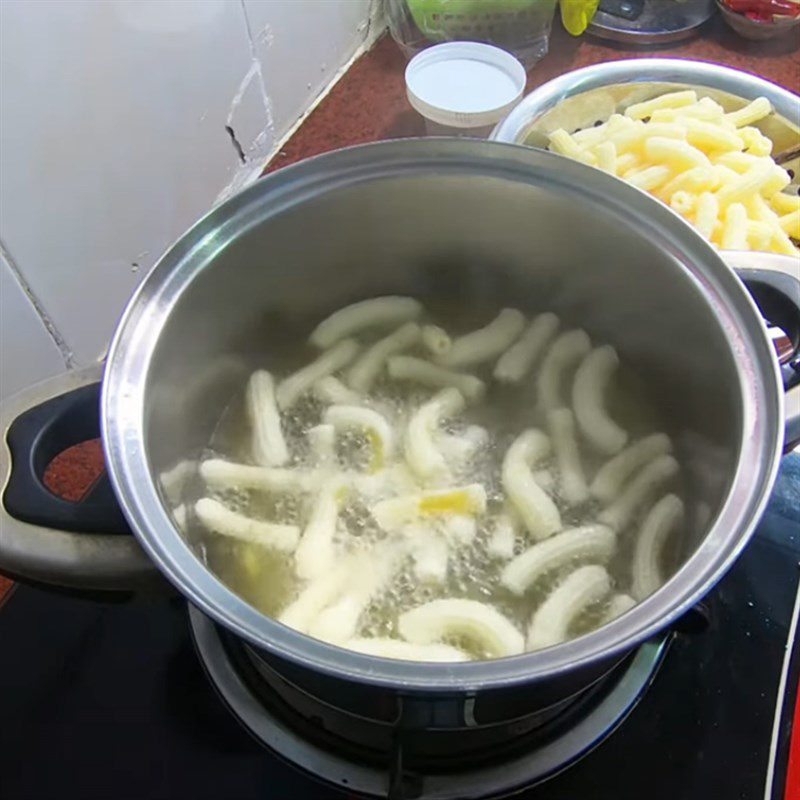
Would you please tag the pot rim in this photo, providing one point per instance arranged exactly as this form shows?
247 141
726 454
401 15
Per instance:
124 388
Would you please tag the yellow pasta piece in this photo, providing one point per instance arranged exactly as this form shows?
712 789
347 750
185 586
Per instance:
635 138
627 162
716 233
759 235
752 112
725 175
782 244
705 108
665 115
758 209
709 136
759 174
790 223
756 227
778 180
755 142
734 231
669 100
606 153
772 178
589 137
739 189
674 153
785 203
683 202
706 214
696 112
740 162
561 142
666 130
618 121
698 179
649 178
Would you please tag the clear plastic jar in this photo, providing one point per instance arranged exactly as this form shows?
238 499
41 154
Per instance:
520 26
464 88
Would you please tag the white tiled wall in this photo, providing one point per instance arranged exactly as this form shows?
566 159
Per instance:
318 30
113 139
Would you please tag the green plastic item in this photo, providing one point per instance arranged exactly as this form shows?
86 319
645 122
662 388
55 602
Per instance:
476 20
577 14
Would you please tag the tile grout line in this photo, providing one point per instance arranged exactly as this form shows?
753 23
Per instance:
256 64
250 166
374 27
376 17
58 339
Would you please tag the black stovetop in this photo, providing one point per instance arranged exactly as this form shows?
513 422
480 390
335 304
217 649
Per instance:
108 700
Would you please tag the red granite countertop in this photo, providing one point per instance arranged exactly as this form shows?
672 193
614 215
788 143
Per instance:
369 103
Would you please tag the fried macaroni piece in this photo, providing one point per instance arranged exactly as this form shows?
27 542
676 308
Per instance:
220 519
539 513
377 312
487 630
338 357
422 452
487 342
587 543
552 620
588 401
666 515
269 446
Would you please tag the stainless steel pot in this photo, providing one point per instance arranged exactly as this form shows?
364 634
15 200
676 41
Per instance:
459 224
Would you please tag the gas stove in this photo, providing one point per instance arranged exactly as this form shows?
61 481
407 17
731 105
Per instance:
131 697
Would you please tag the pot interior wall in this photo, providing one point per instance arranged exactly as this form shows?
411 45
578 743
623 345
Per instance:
465 244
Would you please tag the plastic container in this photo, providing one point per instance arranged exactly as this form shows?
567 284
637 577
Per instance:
520 26
464 88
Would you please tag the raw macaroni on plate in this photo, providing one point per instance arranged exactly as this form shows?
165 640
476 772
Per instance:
713 168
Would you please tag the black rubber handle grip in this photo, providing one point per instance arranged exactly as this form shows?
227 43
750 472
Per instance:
34 439
778 297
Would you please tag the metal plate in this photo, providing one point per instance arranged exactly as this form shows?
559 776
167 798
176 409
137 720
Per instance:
591 95
660 22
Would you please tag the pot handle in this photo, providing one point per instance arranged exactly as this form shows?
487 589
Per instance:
83 545
777 295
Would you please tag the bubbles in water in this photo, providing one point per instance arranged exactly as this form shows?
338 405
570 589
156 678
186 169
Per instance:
266 579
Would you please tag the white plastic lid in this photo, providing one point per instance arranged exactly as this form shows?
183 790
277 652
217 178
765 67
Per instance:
464 84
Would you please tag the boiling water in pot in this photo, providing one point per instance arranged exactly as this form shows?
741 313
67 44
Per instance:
430 493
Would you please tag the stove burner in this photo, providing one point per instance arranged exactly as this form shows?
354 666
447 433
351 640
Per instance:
550 750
